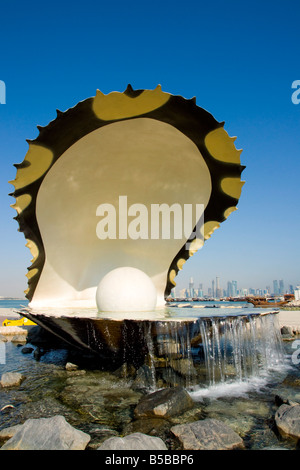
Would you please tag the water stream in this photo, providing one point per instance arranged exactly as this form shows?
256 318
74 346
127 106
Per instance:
210 351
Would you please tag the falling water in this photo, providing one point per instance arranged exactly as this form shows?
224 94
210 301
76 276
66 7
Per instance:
212 350
195 351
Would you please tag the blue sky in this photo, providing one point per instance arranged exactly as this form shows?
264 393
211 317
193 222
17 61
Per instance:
238 58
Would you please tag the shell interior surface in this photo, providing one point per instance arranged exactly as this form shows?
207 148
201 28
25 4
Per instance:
91 189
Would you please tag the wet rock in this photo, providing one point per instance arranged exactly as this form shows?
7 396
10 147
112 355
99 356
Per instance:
21 339
287 331
207 434
287 420
292 381
125 371
38 352
262 437
11 379
144 378
279 400
8 433
151 426
47 407
71 367
98 434
164 403
184 367
135 441
27 350
102 397
47 434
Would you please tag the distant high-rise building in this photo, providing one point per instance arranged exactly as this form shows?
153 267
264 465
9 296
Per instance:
234 288
291 289
275 287
281 286
218 290
213 288
191 287
229 289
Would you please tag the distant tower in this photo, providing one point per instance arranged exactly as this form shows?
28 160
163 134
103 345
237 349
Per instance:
275 287
234 288
213 288
218 290
281 286
191 287
229 289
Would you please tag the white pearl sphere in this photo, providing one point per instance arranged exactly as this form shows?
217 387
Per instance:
126 289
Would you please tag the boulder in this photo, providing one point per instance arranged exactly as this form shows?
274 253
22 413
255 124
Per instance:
164 403
287 330
27 350
207 434
11 379
71 367
8 433
135 441
287 420
47 434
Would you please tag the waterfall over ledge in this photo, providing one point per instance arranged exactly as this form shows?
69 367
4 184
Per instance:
191 352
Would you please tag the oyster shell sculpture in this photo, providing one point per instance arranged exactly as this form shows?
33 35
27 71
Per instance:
139 148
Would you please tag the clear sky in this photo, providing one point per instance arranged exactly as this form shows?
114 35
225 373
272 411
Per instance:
239 58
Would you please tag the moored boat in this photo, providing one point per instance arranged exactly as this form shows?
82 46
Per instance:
268 302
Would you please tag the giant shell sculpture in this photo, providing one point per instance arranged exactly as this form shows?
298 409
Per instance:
145 146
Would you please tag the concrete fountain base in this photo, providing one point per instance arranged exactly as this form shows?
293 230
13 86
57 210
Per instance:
185 351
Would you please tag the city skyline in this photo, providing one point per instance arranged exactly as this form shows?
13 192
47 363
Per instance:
232 289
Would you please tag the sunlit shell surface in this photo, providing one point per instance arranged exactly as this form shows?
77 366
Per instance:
147 147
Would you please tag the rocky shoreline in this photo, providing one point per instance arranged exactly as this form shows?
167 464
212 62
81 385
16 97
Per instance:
91 409
158 408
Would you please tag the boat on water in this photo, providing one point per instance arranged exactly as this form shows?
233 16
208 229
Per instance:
270 302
